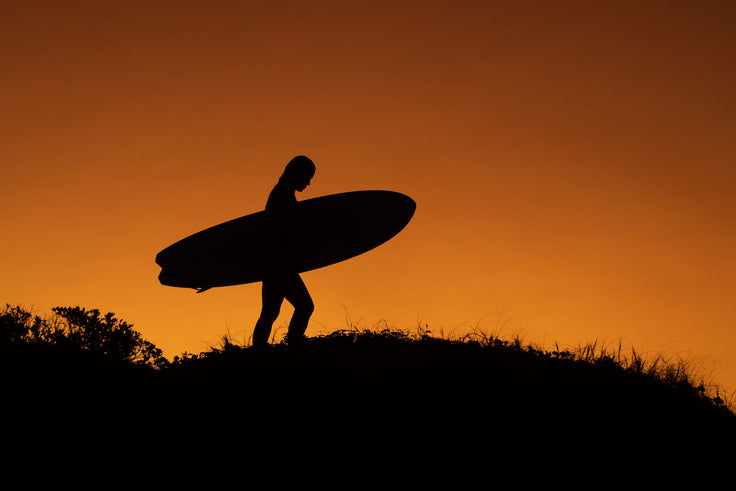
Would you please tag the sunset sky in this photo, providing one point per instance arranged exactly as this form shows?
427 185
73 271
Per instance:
572 162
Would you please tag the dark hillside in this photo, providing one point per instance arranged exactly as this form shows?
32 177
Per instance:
357 410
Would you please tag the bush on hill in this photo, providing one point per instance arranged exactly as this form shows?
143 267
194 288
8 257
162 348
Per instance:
76 328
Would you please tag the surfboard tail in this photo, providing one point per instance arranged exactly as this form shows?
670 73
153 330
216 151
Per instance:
169 277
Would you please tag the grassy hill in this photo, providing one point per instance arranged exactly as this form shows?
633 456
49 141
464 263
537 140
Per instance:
359 409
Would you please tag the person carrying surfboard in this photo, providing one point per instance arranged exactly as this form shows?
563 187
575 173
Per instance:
283 281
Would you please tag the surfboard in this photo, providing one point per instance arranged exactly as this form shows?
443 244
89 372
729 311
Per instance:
322 231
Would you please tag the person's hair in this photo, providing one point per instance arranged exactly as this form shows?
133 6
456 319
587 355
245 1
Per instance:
297 167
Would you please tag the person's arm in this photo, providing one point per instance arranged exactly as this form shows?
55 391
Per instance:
281 214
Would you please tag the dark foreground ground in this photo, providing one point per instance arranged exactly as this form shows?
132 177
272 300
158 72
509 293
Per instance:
355 411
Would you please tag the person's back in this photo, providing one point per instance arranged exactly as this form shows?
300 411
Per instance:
281 199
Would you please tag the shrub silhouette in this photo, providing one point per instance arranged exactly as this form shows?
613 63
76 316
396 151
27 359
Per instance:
16 325
79 328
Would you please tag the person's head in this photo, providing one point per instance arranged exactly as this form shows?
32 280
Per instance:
298 173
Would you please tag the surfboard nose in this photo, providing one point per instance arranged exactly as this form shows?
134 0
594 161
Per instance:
411 206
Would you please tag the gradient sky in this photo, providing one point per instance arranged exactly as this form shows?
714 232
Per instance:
572 162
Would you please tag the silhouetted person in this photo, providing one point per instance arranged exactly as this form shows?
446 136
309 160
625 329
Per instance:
283 281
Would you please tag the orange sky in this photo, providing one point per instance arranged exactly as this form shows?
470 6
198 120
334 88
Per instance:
573 165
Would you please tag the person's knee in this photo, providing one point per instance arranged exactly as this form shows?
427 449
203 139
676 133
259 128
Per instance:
306 308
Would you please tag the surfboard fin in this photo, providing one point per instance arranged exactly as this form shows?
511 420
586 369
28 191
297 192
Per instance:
203 289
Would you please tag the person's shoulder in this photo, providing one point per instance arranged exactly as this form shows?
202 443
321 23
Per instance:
279 198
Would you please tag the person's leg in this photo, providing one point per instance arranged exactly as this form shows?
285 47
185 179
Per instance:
298 296
272 297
